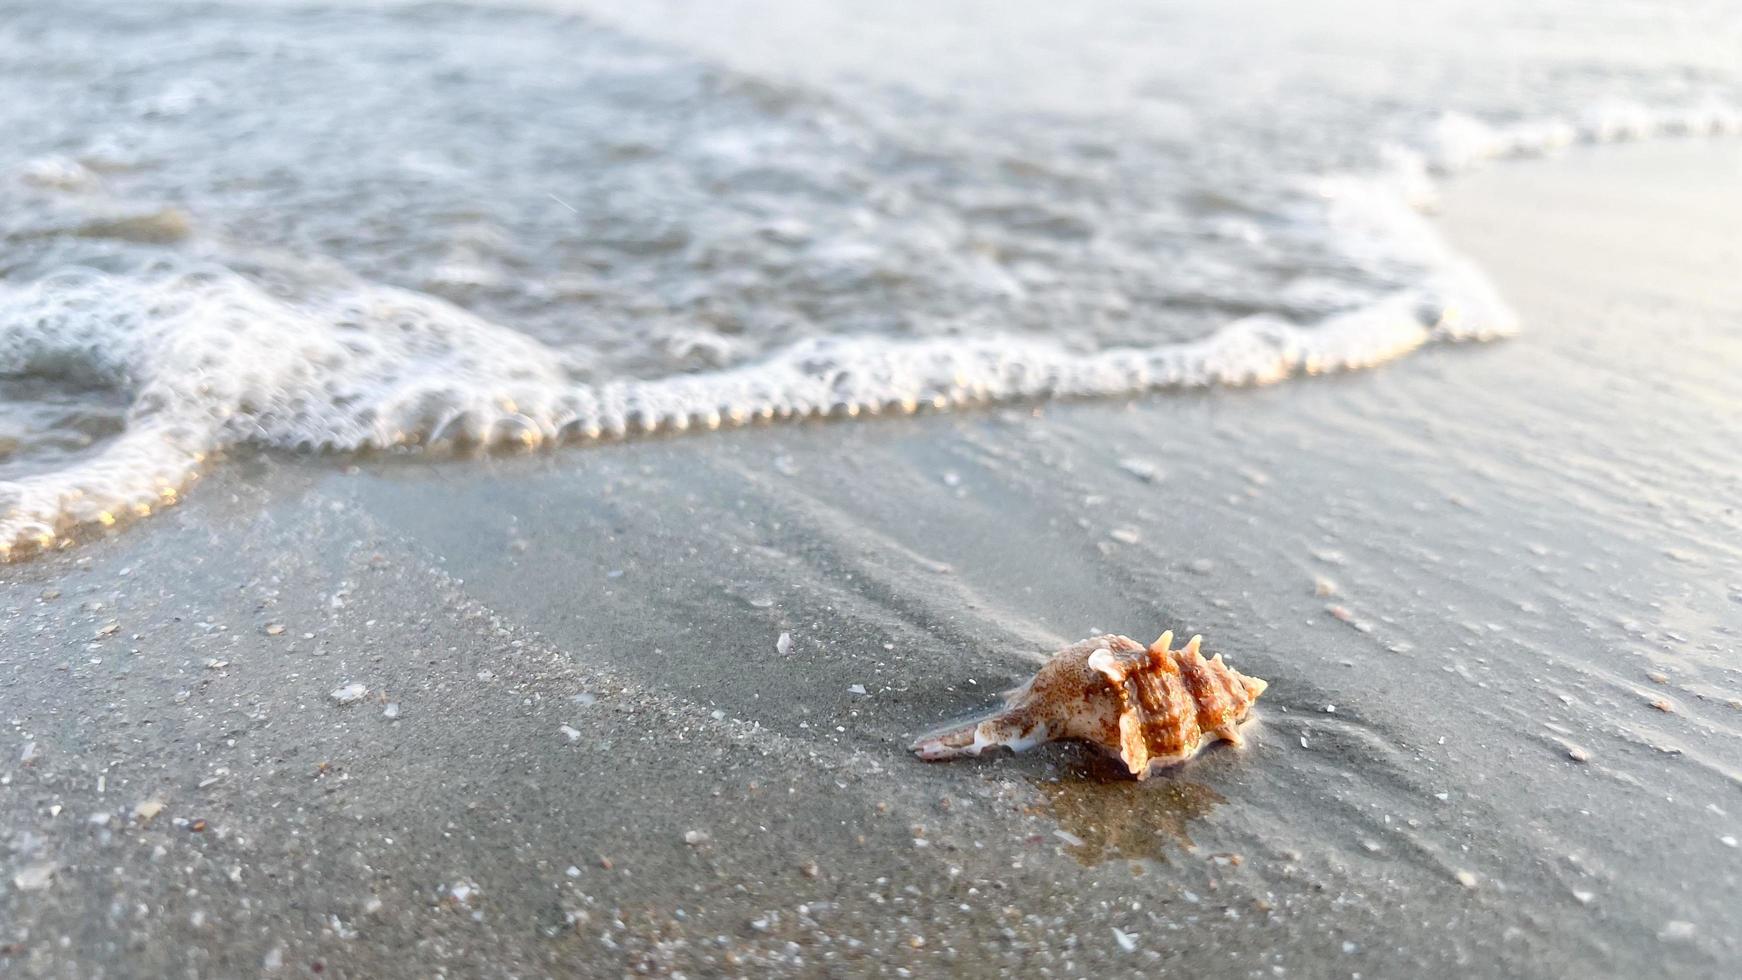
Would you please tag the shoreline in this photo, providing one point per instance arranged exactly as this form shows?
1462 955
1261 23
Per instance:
1520 590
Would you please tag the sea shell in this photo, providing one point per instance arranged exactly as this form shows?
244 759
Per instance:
1151 707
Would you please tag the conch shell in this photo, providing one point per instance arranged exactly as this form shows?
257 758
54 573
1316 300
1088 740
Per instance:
1151 707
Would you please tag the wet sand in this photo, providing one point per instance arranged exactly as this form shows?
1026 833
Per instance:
1513 748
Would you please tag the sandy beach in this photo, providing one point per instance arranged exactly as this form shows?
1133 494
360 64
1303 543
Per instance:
528 716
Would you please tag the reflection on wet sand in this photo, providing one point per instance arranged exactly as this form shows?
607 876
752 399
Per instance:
1117 817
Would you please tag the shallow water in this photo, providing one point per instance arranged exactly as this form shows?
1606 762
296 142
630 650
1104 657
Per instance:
333 227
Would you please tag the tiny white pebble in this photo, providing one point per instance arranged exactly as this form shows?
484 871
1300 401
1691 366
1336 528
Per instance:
1142 469
1677 929
34 878
784 644
349 694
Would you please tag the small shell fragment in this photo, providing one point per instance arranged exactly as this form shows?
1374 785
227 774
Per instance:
1151 707
34 878
349 694
1676 930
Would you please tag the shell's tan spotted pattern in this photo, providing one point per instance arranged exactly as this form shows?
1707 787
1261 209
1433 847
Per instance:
1152 707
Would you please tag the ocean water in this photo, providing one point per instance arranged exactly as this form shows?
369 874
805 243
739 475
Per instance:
351 227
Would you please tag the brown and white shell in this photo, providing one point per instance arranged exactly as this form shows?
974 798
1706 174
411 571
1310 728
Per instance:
1151 707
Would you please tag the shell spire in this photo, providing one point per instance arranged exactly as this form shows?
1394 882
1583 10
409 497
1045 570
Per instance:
1152 707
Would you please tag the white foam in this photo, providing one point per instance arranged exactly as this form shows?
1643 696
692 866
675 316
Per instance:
214 362
1456 143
